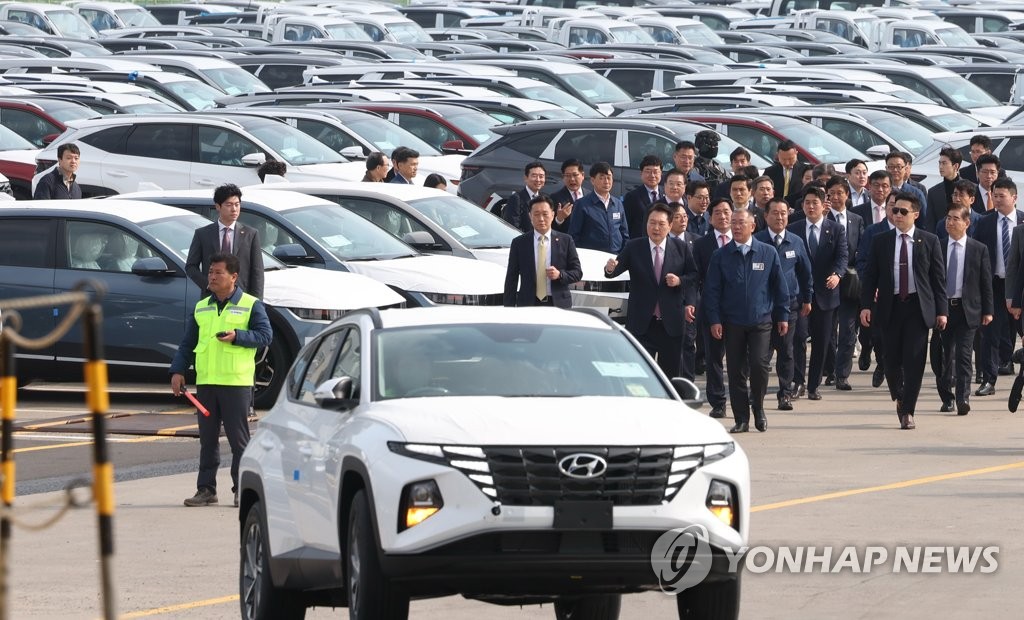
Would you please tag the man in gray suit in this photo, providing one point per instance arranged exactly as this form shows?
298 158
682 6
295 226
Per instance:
227 236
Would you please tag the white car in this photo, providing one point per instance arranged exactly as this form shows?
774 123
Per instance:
123 154
511 455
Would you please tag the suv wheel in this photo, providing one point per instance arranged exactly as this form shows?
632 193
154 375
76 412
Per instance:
370 594
599 607
710 601
259 599
272 364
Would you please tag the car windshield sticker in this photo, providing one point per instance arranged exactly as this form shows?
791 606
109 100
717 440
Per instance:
636 389
464 232
337 241
620 369
819 151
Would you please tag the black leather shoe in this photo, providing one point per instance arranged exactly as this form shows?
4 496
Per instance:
986 389
947 407
843 385
760 421
830 380
1006 369
903 421
864 361
877 377
963 407
785 404
1017 357
741 427
909 422
718 412
814 395
799 390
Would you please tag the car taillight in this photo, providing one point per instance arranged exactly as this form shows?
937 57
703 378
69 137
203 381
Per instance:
469 172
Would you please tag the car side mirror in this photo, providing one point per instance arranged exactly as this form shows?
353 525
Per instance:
291 253
419 239
151 266
454 147
254 159
879 151
335 394
50 137
353 152
689 392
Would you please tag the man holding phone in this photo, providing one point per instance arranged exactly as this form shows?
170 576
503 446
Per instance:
221 341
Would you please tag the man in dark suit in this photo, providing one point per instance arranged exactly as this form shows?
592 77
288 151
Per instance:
688 361
599 221
543 263
857 176
566 196
227 236
969 291
980 144
828 251
908 304
994 230
796 268
661 291
405 162
989 170
745 294
875 214
839 357
517 207
787 172
638 201
714 349
940 196
698 201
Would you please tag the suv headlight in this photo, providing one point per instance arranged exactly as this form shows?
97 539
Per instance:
318 314
420 501
721 501
454 299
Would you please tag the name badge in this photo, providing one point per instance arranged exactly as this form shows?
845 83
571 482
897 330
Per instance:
790 253
758 266
616 215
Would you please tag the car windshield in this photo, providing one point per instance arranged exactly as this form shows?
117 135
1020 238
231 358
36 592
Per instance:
726 145
471 225
963 92
387 136
820 143
474 123
347 32
630 34
596 88
346 235
956 122
65 111
550 94
10 141
137 16
198 95
955 37
699 34
408 32
524 360
71 25
294 146
175 233
237 81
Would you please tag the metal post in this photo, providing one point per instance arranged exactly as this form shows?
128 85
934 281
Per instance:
8 390
98 400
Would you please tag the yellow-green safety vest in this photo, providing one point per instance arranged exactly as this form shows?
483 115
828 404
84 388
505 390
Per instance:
223 363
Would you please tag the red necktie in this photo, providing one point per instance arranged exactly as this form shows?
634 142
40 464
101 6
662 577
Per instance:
904 270
722 239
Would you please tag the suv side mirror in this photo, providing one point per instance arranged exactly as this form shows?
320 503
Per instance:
419 239
254 159
335 394
291 253
151 266
879 151
454 147
689 392
353 152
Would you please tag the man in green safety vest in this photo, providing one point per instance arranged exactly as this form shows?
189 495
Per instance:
221 341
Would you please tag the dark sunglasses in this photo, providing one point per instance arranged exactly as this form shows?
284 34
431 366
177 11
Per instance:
900 211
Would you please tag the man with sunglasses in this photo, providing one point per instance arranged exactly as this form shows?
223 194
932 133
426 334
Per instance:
904 293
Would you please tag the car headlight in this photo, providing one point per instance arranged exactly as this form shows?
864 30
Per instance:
721 501
420 501
601 286
451 299
318 314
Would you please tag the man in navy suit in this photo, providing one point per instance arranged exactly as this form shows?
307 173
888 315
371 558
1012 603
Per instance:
566 196
688 363
940 196
905 282
969 291
599 221
827 248
406 162
995 230
543 263
517 207
637 201
661 288
745 293
796 268
839 357
787 173
714 349
698 202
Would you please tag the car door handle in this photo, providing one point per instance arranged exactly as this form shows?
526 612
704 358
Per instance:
306 450
207 182
266 444
118 174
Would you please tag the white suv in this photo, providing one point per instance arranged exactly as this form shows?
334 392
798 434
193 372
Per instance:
511 455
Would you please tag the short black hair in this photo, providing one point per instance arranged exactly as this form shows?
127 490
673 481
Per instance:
954 156
982 140
374 160
879 175
988 158
601 167
786 145
737 178
813 189
837 181
966 186
530 166
68 146
404 153
738 152
853 163
911 198
650 160
1005 183
228 190
693 186
572 163
685 144
660 207
230 261
434 179
717 201
542 197
897 155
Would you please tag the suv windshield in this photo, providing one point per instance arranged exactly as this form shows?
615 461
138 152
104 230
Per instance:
345 234
522 360
294 146
468 223
387 136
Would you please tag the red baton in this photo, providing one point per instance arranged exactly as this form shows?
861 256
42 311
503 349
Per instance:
195 401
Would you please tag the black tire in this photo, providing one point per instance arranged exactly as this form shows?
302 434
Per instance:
258 598
370 595
597 607
718 600
272 364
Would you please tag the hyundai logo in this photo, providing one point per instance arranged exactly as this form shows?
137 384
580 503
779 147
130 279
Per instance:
583 465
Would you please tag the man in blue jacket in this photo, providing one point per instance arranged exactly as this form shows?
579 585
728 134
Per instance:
744 293
599 221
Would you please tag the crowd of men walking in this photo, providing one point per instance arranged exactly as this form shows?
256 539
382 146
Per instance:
727 271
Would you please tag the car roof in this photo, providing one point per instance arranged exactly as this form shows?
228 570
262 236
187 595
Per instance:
134 211
463 315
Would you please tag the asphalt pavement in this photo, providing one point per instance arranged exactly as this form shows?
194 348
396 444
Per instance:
832 473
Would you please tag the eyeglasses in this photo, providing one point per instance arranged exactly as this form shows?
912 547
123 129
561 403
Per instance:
900 211
894 167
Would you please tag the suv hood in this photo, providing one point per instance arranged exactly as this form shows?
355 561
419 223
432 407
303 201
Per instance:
305 287
435 274
448 166
586 420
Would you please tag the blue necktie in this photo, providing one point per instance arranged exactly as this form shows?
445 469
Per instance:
951 270
1006 242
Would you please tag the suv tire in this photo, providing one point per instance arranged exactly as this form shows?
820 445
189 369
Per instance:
370 594
259 599
710 601
597 607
